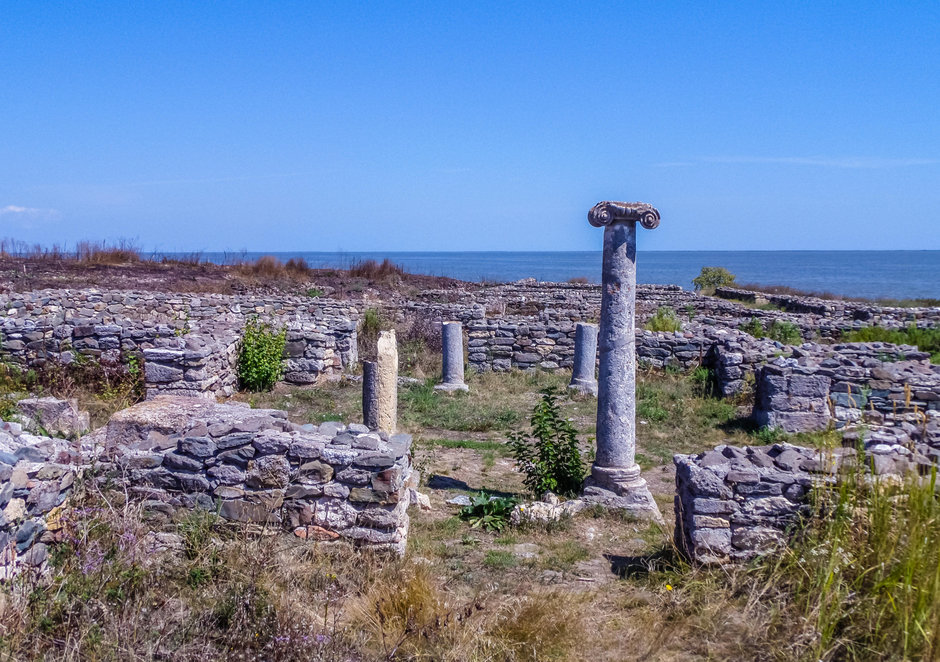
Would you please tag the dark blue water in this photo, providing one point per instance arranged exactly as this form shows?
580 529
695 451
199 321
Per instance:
876 274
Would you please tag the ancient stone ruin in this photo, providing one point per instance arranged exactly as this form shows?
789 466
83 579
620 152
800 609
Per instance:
353 484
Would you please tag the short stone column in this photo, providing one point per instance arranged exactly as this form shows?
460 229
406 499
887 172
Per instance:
585 360
615 477
370 395
452 342
387 382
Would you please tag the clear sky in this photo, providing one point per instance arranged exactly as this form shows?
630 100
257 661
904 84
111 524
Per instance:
470 125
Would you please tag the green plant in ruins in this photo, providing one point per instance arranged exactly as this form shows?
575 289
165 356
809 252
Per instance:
259 361
549 456
711 278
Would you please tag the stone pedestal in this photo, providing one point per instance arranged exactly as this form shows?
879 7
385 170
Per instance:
370 395
452 342
387 382
585 358
615 479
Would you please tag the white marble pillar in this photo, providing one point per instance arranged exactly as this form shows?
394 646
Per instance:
387 382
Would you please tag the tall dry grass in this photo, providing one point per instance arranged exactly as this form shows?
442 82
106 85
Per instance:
372 270
122 251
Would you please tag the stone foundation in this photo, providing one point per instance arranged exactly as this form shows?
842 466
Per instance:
252 465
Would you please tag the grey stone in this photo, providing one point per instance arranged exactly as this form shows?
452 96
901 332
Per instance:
197 446
268 471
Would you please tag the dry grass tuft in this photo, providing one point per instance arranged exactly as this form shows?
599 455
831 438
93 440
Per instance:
372 270
124 251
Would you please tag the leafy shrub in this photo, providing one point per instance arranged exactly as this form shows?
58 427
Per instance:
664 320
753 327
488 512
787 333
711 278
314 293
926 340
779 330
7 407
259 361
549 457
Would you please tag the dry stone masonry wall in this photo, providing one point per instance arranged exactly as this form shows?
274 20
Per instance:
324 483
189 344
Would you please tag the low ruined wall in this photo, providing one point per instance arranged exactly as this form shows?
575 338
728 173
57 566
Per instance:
197 364
107 306
733 504
845 385
253 465
36 477
196 359
848 314
326 483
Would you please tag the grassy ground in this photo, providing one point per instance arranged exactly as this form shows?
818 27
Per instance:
596 587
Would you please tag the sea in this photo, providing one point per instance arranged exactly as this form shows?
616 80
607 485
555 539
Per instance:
869 274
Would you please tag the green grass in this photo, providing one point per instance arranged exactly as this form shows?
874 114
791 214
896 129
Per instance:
500 558
866 572
563 555
664 319
673 416
926 340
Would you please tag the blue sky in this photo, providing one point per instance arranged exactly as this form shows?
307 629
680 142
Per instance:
470 126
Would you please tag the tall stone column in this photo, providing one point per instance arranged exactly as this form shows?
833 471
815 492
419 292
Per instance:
585 359
452 342
387 382
615 476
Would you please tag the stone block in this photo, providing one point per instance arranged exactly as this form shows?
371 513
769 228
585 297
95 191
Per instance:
268 471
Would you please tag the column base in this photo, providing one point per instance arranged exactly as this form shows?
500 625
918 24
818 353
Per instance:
584 386
620 488
451 387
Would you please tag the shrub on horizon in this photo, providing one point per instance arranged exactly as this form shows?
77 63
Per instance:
711 278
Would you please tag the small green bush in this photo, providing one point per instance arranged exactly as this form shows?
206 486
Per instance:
787 333
259 361
926 340
711 278
488 512
779 330
664 320
549 457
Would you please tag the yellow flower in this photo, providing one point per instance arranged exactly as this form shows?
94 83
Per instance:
668 587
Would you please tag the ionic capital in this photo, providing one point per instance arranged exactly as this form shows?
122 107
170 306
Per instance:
607 212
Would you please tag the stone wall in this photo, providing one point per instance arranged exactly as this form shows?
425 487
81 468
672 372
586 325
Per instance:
193 357
36 476
326 483
843 385
108 306
252 465
848 314
733 504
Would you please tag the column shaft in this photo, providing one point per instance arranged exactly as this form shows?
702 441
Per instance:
616 399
